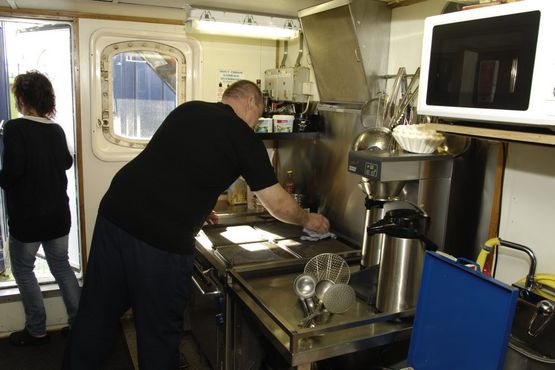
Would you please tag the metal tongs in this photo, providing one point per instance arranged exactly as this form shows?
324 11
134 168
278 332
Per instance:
406 100
391 99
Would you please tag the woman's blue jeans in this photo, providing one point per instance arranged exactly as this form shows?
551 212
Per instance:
22 257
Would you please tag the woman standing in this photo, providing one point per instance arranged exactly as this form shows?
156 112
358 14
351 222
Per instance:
35 160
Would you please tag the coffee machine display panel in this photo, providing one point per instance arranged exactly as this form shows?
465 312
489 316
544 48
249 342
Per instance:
392 166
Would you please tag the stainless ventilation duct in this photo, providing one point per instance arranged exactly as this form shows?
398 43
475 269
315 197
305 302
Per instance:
348 42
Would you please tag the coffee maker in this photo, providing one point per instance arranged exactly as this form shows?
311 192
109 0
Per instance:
409 193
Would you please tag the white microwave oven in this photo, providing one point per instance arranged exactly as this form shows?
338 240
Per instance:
491 64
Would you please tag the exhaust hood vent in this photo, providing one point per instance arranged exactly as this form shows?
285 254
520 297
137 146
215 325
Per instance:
348 42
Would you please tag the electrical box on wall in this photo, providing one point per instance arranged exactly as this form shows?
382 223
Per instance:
286 84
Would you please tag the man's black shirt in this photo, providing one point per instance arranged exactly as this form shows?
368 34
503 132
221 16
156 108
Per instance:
165 194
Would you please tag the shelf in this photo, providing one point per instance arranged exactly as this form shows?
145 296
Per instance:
499 134
289 135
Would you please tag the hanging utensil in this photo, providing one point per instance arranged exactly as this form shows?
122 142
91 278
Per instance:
406 100
371 113
401 113
391 100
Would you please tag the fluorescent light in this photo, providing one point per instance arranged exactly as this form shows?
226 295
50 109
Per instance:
243 30
241 25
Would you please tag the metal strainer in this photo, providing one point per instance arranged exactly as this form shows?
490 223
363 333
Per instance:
328 266
339 298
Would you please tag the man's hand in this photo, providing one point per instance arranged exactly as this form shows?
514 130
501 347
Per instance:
282 206
212 218
317 223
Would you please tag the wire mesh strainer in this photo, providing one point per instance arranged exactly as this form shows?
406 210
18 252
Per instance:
339 298
328 266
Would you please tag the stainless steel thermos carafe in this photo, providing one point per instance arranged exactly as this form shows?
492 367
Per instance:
401 257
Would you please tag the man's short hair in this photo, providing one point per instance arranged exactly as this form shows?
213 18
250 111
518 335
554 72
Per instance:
243 89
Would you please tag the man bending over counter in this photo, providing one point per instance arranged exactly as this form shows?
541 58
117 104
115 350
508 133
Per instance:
142 249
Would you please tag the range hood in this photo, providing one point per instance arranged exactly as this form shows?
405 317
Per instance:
348 42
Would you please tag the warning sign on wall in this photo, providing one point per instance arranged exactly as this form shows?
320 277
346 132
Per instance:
225 78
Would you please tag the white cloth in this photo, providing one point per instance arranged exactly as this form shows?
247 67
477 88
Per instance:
314 236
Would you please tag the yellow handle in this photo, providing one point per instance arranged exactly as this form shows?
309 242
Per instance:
486 249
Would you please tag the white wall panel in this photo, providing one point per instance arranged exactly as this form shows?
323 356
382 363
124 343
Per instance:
407 26
250 56
527 213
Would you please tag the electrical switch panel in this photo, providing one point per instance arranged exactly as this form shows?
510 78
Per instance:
286 84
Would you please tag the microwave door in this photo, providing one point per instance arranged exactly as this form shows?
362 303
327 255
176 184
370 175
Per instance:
484 63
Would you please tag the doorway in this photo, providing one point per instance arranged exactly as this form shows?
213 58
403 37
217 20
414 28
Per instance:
45 46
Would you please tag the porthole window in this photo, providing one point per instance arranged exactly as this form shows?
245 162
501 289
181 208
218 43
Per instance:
141 83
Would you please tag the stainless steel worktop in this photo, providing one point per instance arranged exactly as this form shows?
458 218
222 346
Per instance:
259 239
259 281
268 294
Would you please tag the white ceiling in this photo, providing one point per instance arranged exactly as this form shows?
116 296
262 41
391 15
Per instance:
275 7
283 7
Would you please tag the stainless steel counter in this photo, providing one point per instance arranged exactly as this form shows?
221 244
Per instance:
268 294
262 288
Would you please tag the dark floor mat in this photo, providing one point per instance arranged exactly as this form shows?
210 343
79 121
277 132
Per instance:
49 356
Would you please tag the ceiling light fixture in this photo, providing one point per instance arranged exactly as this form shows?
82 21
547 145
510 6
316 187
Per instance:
242 25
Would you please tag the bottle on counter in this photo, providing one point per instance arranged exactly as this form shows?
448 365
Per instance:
267 103
237 192
289 184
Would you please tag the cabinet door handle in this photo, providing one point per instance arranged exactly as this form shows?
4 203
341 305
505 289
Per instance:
203 290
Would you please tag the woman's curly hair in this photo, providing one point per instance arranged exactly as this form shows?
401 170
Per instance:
34 90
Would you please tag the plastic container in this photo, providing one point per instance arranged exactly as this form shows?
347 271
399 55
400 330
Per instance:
265 125
283 123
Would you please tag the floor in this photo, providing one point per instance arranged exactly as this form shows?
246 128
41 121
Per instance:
188 347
